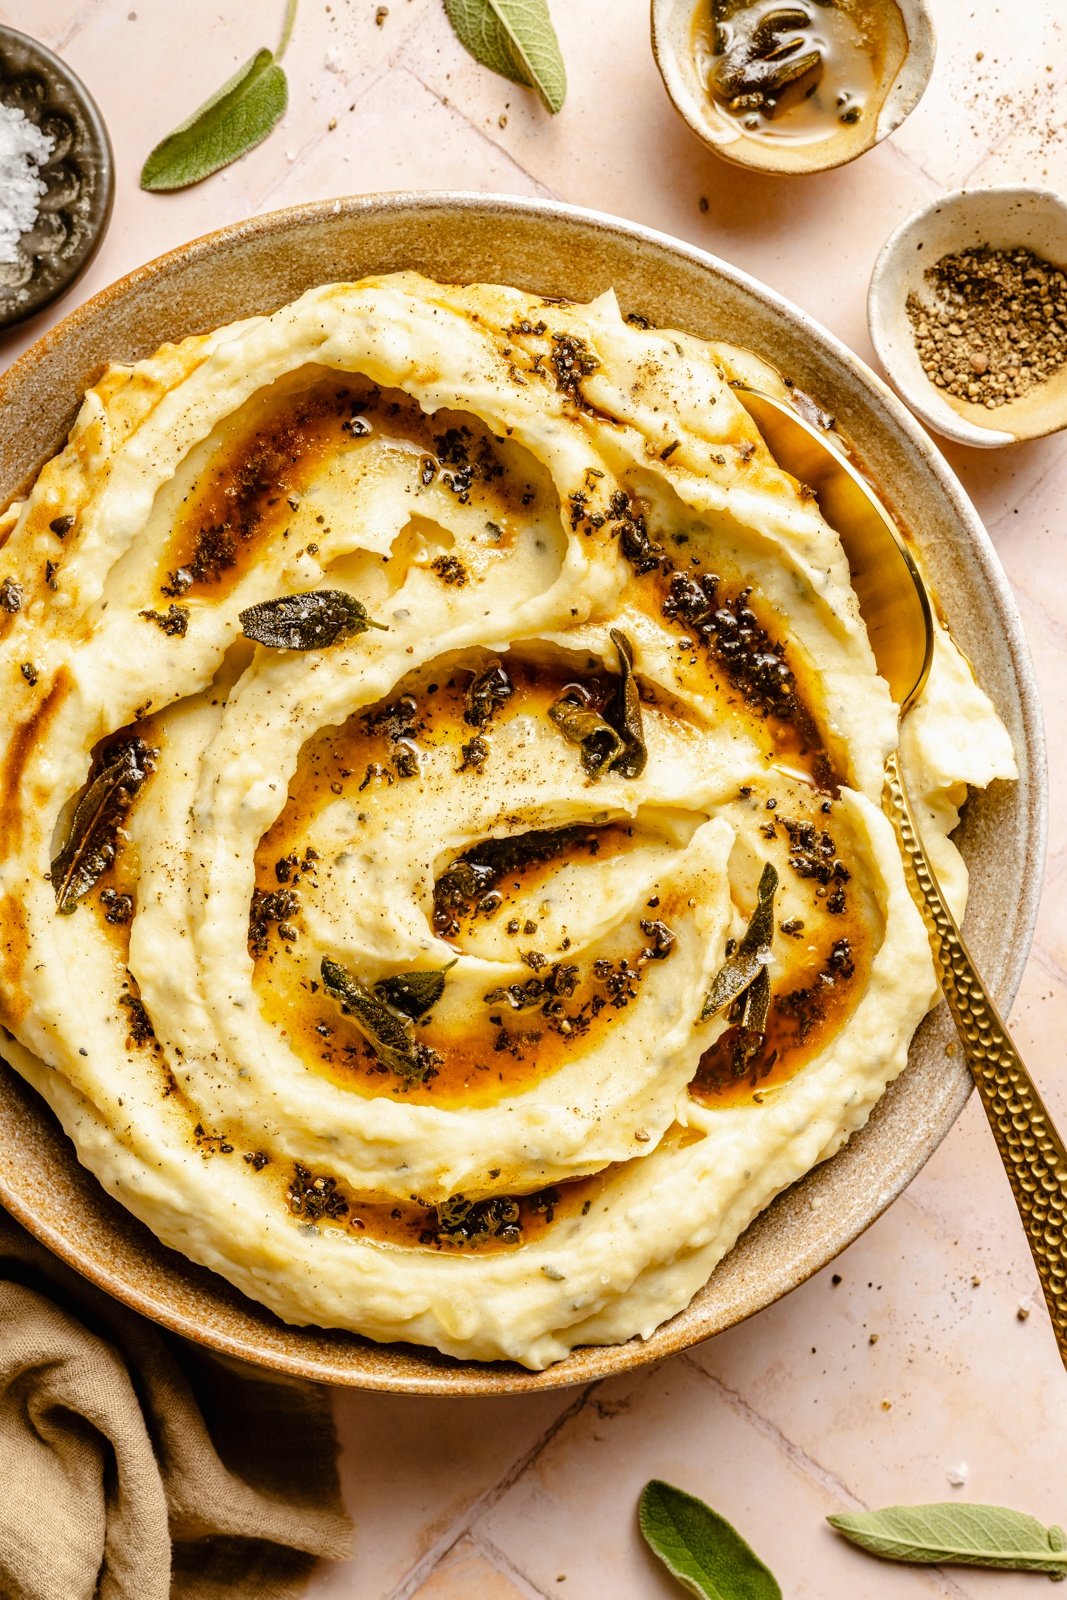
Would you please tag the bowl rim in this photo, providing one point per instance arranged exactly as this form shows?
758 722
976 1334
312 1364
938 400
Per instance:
99 136
882 290
589 1362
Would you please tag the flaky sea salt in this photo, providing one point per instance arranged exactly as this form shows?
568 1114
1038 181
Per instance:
23 151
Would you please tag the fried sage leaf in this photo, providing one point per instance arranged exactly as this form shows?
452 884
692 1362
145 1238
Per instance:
414 993
750 959
92 838
965 1535
599 743
389 1032
309 621
624 712
699 1548
489 689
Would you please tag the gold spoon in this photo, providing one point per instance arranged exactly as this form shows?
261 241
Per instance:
896 609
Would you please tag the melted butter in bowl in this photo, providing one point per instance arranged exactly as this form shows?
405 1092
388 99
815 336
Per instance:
793 85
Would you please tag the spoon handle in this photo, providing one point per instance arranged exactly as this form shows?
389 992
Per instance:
1032 1151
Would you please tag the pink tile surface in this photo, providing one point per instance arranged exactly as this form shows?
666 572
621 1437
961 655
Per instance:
863 1391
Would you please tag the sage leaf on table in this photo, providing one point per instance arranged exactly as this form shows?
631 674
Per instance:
515 38
708 1557
233 121
949 1532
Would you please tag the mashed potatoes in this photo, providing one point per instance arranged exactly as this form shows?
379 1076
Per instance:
444 888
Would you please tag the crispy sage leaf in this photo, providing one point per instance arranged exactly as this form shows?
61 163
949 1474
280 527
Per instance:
515 38
964 1535
624 713
233 121
743 968
386 1029
600 744
92 838
306 621
702 1550
488 690
414 993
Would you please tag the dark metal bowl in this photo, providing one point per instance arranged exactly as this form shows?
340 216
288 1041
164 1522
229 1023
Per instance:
75 209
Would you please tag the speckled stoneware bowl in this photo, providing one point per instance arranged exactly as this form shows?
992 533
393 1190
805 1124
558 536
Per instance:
556 250
899 85
78 176
1005 217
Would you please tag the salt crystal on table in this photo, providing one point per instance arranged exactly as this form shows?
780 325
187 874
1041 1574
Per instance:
23 151
957 1476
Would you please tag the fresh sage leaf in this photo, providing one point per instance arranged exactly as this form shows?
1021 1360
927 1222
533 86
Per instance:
516 39
624 713
414 993
600 745
306 621
949 1532
389 1032
92 838
750 959
233 121
702 1550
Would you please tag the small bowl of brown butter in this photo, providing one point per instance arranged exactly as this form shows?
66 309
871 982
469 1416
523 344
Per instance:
793 86
967 310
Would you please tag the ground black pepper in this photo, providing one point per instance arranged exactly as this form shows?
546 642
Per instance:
995 326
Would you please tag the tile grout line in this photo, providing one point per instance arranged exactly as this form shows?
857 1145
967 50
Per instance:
502 150
485 1502
77 23
501 1559
800 1458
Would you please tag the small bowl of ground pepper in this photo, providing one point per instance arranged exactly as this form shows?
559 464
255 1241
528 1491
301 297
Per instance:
968 313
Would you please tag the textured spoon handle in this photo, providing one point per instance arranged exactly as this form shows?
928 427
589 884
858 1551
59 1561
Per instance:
1032 1151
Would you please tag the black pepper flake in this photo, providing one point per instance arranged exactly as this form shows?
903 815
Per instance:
10 595
61 526
29 672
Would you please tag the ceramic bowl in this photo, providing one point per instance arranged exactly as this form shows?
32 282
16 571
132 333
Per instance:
1002 218
902 78
78 176
554 250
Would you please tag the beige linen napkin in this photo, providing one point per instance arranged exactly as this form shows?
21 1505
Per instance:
134 1467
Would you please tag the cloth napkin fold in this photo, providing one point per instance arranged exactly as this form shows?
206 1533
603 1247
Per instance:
133 1466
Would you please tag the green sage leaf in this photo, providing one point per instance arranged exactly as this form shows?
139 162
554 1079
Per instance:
414 993
949 1532
233 121
702 1550
389 1032
92 838
749 960
309 621
515 38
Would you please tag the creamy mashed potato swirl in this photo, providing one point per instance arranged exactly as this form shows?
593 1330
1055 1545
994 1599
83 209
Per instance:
362 950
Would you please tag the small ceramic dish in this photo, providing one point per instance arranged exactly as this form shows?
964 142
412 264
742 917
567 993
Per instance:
896 40
75 208
1002 218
